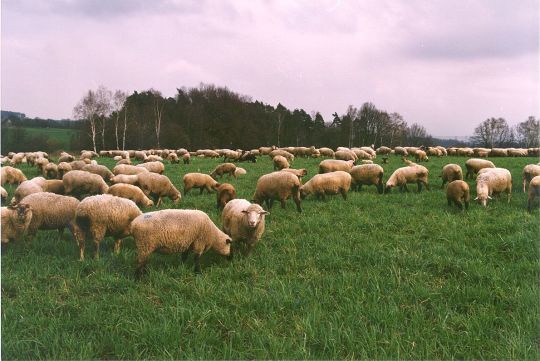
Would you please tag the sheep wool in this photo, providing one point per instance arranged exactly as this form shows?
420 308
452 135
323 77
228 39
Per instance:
328 183
493 181
128 169
125 178
199 180
158 186
132 192
332 165
451 172
14 222
80 182
279 185
280 162
100 170
534 191
11 175
244 222
474 165
529 172
224 168
225 193
411 174
28 187
367 174
458 193
177 231
154 167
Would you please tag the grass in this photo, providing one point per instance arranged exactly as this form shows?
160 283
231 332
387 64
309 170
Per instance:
397 276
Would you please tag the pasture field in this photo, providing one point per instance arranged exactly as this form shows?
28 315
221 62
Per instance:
395 276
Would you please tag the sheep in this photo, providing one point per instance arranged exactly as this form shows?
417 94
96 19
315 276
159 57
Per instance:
359 153
3 194
181 151
53 186
280 162
300 173
473 165
124 161
80 182
244 222
157 186
224 168
225 193
50 170
154 167
411 174
128 169
125 178
534 191
367 174
63 168
466 152
79 164
103 215
458 193
186 158
173 158
100 170
65 157
345 155
132 192
248 157
277 185
401 151
420 155
11 175
383 150
326 152
493 181
289 156
41 163
529 172
451 172
498 152
177 231
88 154
239 171
14 222
18 158
28 187
199 180
50 211
140 155
327 183
331 165
266 150
153 158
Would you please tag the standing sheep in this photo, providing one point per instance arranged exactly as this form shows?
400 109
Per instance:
15 220
411 174
300 173
131 192
100 170
332 165
50 211
225 193
244 222
280 162
158 186
177 231
128 169
367 174
80 182
50 171
125 178
199 180
186 158
474 165
224 168
458 193
28 187
11 175
529 172
63 168
104 215
328 183
493 181
154 167
534 191
451 172
278 185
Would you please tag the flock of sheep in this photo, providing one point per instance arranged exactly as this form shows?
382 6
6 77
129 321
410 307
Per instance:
94 202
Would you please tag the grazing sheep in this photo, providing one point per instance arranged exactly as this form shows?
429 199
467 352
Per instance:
54 186
154 167
41 163
125 178
493 181
132 192
278 185
360 154
104 215
280 162
124 161
63 168
248 157
297 172
50 170
411 174
3 194
80 182
474 165
224 168
383 150
529 172
79 164
186 158
140 155
534 191
244 222
50 211
326 152
289 156
199 180
346 155
328 183
401 151
100 170
239 171
225 193
65 157
332 165
88 154
177 231
367 174
451 172
158 186
153 158
11 175
420 156
18 158
28 187
15 220
458 193
173 158
128 169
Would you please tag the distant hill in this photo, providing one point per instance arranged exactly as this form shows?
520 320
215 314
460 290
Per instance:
5 114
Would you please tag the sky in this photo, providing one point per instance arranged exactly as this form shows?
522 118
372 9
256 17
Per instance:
447 65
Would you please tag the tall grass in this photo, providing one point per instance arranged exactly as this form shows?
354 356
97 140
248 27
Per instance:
396 276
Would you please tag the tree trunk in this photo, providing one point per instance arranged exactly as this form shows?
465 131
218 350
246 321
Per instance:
125 128
93 130
116 130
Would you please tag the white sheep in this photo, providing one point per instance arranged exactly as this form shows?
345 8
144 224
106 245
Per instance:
327 183
100 170
15 220
534 191
493 181
529 172
451 172
280 162
154 167
279 185
125 178
28 187
132 192
158 186
411 174
474 165
128 169
367 174
80 182
243 221
199 180
177 231
332 165
11 175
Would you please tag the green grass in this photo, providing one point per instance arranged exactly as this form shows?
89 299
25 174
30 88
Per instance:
397 276
59 138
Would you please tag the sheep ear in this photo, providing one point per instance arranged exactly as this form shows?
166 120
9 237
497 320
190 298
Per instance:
489 197
228 241
476 199
264 212
244 211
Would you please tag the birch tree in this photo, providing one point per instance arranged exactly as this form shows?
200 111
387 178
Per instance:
93 106
118 101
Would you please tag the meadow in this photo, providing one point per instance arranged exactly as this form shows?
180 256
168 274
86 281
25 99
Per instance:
394 276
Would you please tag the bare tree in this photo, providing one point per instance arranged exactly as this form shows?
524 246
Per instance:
118 101
492 132
352 114
528 132
158 105
92 106
104 97
417 135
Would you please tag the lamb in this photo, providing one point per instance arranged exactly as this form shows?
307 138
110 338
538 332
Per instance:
278 185
224 168
15 220
63 168
177 231
50 211
328 183
3 194
103 215
367 174
529 172
534 191
186 158
50 170
244 222
154 167
80 182
225 193
199 180
331 165
297 172
451 172
411 174
128 169
458 193
493 181
100 170
474 165
125 178
158 186
132 192
280 162
28 187
11 175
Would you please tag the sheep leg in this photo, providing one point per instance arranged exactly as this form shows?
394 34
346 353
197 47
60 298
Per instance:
419 186
197 259
186 190
202 189
343 193
185 255
117 245
459 205
466 204
282 201
427 186
96 251
449 201
141 265
443 183
269 203
158 202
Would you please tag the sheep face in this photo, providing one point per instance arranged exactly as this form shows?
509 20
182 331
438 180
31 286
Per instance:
24 212
254 215
482 191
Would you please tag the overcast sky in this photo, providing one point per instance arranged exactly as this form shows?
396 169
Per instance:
447 65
